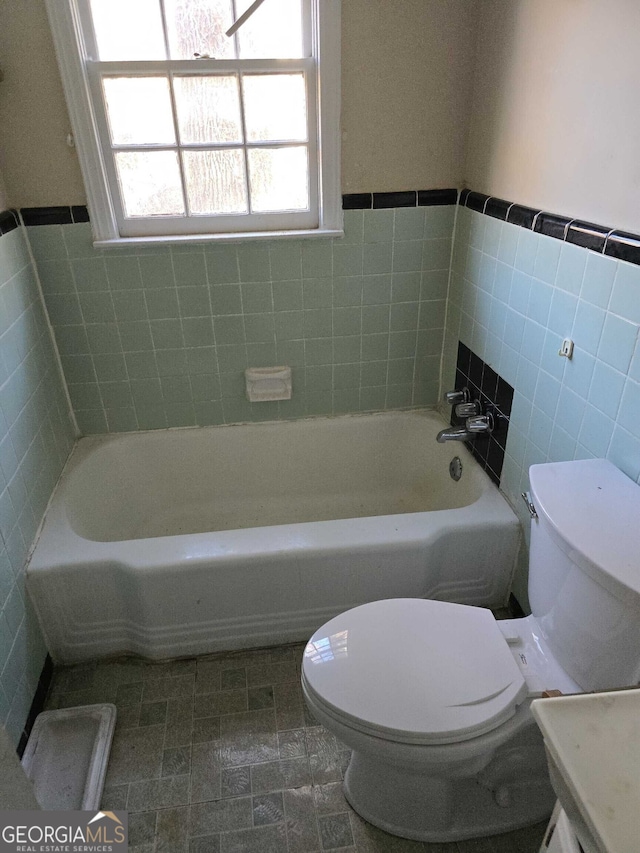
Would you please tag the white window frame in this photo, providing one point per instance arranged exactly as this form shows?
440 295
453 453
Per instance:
80 76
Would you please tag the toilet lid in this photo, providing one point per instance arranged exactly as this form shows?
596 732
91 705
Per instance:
416 671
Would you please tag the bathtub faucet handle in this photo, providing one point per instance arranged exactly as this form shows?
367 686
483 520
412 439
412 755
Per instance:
452 398
480 423
468 410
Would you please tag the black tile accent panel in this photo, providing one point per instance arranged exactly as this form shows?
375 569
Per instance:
409 198
433 198
476 369
504 397
497 207
37 706
496 397
624 246
8 221
552 225
587 235
477 201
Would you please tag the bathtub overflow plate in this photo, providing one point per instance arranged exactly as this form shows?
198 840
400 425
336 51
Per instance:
455 468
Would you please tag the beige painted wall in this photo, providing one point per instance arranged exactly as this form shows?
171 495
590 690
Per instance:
406 90
407 75
4 198
555 121
39 168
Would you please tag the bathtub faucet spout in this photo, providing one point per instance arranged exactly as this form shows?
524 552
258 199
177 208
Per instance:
473 426
453 434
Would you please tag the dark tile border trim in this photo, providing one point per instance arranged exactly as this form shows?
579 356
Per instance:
431 198
477 201
9 221
497 207
357 201
80 213
46 215
37 706
624 246
54 215
525 217
597 238
621 245
587 235
552 225
63 215
407 198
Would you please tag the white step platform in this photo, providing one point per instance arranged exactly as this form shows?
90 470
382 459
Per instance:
66 756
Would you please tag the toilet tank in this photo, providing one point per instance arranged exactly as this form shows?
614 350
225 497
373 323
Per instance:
584 570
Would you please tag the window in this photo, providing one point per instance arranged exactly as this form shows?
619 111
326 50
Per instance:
184 131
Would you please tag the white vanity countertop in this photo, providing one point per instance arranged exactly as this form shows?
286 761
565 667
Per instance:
593 743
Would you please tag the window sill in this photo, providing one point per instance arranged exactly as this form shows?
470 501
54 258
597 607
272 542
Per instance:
181 239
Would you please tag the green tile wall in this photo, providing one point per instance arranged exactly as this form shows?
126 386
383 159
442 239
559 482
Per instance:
35 440
514 296
160 337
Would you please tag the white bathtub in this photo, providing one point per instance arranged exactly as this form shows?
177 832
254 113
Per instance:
183 542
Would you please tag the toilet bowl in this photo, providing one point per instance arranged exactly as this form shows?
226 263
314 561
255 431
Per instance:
433 698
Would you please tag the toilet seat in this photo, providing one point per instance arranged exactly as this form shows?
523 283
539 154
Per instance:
414 671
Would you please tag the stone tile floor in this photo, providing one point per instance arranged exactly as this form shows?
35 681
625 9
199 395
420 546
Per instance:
219 755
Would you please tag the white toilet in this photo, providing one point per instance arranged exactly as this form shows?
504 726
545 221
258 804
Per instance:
434 698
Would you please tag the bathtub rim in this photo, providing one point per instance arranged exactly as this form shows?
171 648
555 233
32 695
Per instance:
57 526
